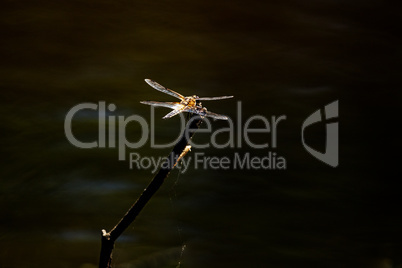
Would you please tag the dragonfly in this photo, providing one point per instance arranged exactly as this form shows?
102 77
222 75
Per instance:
190 104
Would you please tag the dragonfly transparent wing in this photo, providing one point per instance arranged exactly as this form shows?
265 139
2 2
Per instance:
180 108
215 98
204 112
172 105
163 89
216 116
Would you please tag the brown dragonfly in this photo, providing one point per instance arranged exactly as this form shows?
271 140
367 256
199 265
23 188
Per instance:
189 104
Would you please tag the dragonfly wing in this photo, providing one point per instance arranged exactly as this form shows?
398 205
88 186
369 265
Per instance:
179 108
216 116
172 105
204 112
215 98
163 89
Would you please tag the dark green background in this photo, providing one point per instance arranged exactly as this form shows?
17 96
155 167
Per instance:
277 57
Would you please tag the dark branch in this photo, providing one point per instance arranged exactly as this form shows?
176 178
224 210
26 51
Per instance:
109 238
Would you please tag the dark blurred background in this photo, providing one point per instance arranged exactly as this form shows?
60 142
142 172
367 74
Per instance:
277 57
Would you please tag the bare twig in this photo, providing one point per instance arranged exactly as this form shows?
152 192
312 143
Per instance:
109 238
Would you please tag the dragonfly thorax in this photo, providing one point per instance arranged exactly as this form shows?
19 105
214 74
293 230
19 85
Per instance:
190 101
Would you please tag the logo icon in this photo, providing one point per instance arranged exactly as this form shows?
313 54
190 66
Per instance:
331 154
